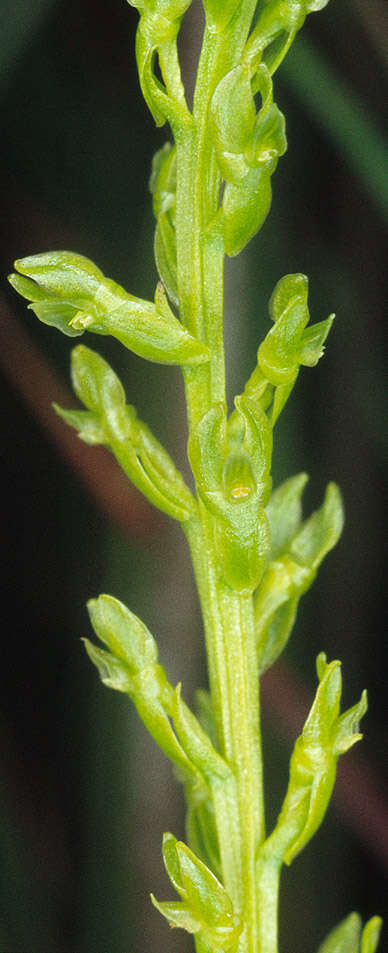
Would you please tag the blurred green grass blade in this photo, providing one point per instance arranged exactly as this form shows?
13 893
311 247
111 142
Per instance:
331 104
18 28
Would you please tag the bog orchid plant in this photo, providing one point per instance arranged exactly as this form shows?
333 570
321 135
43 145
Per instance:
253 553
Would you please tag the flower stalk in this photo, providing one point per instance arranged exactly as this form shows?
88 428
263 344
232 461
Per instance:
253 554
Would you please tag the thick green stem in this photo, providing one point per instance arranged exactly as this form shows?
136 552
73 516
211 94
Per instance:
228 616
267 879
200 250
239 809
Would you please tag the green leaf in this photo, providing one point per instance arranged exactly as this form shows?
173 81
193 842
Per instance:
324 712
151 693
162 473
313 763
281 396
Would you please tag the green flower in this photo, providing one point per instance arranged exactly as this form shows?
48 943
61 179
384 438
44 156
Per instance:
69 292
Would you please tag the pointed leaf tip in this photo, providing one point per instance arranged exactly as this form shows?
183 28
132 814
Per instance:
178 915
345 937
171 863
112 671
371 935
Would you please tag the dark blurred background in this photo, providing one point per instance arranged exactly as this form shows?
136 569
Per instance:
85 796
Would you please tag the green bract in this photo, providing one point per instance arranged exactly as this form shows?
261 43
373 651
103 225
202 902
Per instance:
254 555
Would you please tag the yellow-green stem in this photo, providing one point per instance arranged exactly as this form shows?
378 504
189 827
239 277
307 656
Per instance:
233 675
228 615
